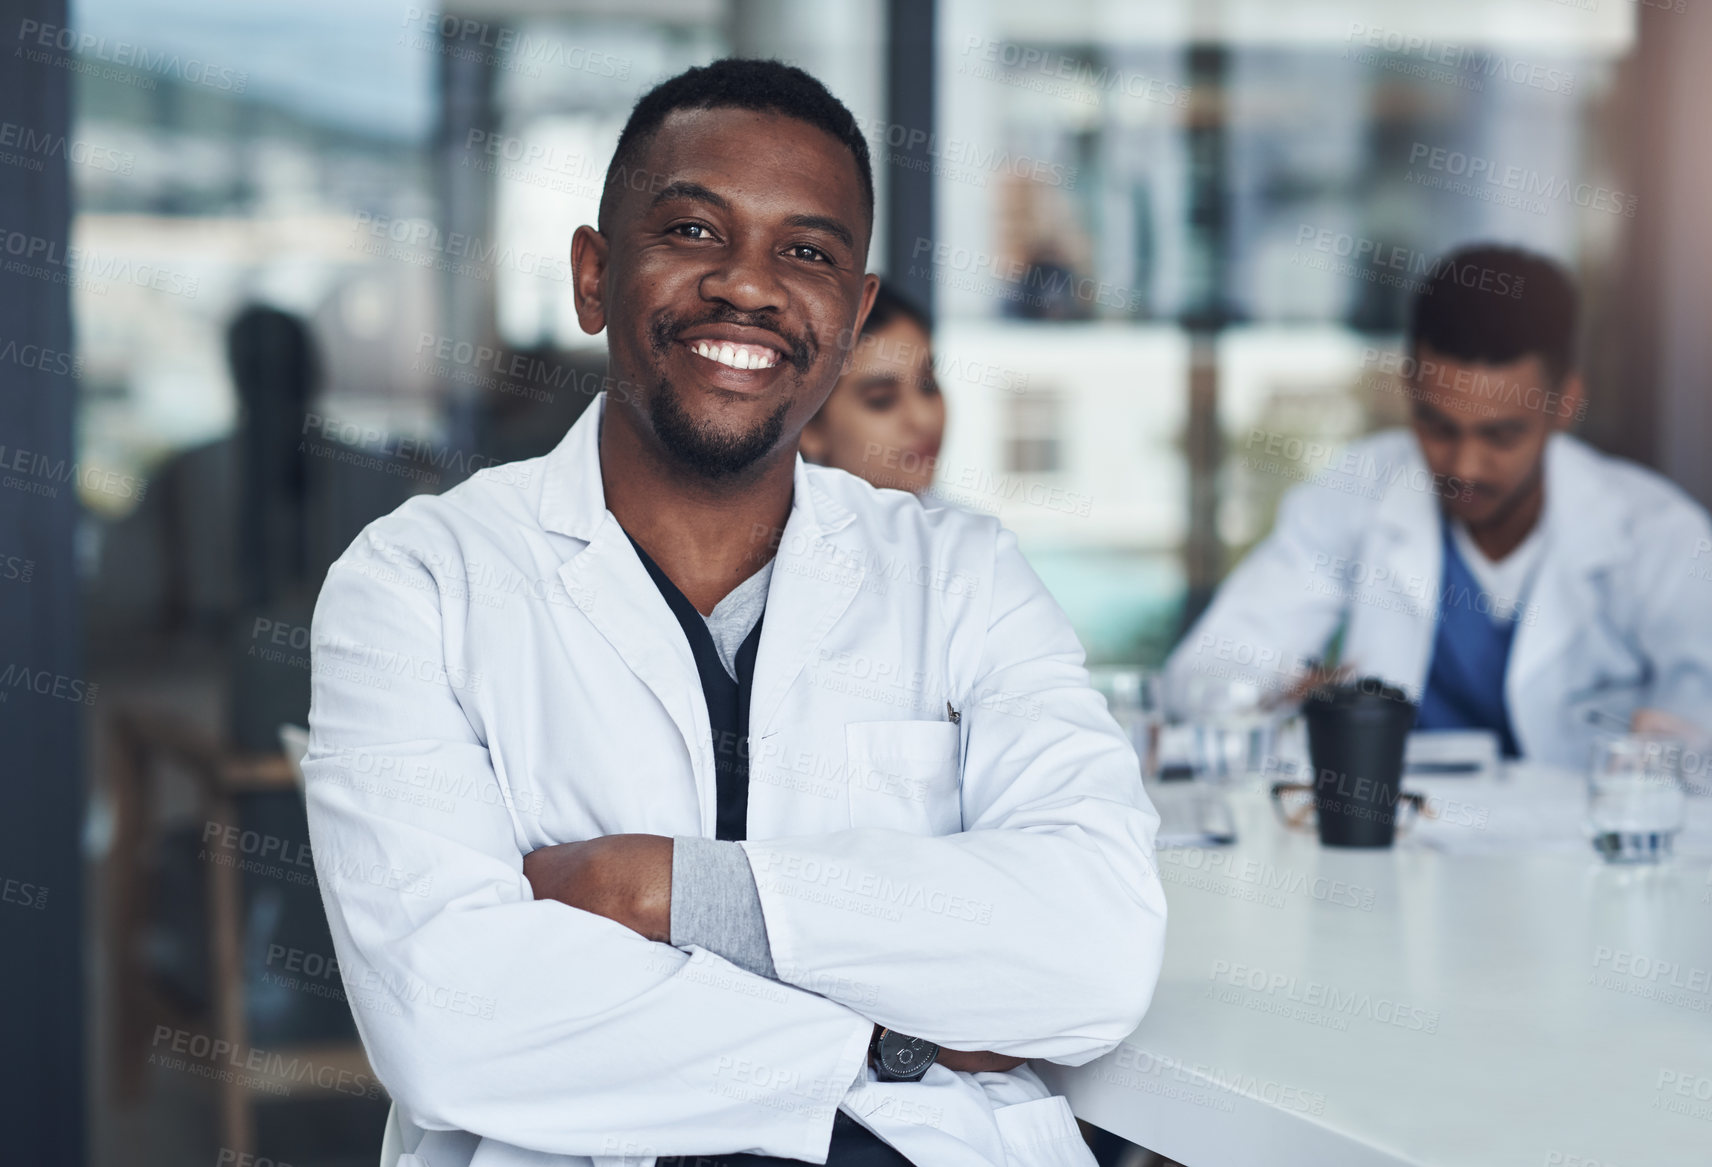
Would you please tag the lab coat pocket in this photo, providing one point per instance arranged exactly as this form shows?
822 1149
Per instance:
904 775
1042 1133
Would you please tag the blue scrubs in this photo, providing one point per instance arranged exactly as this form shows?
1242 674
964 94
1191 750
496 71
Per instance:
1471 654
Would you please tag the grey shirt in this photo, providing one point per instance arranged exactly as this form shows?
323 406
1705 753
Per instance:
733 618
715 904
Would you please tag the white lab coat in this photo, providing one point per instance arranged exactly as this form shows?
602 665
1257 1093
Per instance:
1618 617
495 672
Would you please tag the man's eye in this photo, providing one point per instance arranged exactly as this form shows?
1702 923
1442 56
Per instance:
684 229
812 254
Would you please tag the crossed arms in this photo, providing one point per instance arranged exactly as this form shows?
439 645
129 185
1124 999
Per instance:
628 880
591 1025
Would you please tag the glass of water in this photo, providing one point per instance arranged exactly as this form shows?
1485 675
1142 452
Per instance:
1636 798
1132 695
1230 731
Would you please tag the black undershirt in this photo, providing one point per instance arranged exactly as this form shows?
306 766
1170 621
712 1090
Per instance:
853 1145
727 703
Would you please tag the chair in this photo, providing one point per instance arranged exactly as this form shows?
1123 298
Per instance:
144 742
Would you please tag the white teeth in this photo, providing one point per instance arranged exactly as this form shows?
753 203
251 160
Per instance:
736 356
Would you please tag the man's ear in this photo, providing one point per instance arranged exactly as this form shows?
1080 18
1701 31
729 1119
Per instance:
588 278
870 289
1573 404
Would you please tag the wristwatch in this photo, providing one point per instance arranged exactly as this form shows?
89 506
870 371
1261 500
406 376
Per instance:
899 1057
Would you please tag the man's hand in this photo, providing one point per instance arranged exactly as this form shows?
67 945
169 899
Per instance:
975 1061
1314 678
1658 722
626 878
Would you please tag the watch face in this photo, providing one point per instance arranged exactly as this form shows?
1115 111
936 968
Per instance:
905 1058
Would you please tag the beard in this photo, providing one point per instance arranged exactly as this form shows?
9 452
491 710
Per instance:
699 448
703 450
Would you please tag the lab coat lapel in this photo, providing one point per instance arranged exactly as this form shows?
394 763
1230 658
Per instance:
613 589
1407 550
817 571
610 587
1582 529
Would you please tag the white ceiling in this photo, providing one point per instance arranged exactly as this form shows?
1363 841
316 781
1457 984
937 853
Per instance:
663 11
1607 27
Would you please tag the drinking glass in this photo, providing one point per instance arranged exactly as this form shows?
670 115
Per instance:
1132 695
1230 730
1636 798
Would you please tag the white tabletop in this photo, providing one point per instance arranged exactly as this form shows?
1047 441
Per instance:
1484 993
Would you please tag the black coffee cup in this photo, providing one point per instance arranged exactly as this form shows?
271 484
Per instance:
1356 734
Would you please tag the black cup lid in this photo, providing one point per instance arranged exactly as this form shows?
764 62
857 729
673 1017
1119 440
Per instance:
1363 691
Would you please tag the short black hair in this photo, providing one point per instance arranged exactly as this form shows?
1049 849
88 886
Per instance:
1492 305
763 85
890 306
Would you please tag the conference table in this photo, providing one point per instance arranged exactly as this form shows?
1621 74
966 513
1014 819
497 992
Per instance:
1487 992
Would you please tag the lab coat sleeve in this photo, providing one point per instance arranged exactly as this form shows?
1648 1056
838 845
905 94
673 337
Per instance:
1038 930
482 1009
1280 606
1673 570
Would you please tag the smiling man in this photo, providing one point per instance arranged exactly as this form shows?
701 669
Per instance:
675 800
1513 579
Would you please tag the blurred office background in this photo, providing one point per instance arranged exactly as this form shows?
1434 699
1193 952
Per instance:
285 264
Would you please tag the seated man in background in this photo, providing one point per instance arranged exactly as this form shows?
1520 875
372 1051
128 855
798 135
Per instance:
1508 576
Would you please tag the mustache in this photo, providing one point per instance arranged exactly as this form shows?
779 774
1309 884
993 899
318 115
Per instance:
802 349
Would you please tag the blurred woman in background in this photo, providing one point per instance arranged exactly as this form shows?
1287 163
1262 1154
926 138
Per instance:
885 418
